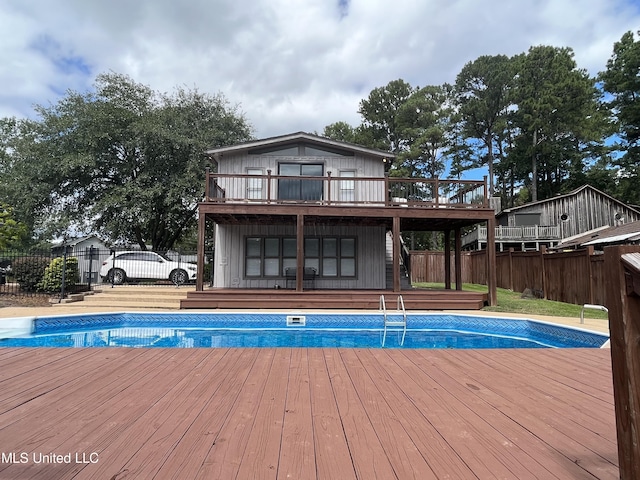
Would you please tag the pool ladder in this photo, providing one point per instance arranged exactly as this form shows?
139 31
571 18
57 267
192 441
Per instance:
400 310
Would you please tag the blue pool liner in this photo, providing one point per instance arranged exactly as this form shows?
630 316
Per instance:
546 333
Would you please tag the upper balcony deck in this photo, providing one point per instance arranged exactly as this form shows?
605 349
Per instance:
353 191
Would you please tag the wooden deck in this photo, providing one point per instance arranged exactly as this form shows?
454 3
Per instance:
308 413
415 299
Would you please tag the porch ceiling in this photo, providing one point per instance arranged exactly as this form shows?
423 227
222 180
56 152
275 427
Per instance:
248 219
411 219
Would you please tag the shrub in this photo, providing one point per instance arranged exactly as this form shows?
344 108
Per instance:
52 277
28 271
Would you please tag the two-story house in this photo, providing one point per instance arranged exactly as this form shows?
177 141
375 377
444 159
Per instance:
304 221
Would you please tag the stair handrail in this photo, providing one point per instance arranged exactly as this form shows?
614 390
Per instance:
405 257
400 308
593 307
394 323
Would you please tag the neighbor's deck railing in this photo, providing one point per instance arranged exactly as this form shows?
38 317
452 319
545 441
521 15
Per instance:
530 232
356 191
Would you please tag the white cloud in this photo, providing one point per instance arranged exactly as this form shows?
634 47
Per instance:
292 65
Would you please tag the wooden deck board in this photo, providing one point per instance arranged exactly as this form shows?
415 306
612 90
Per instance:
297 430
224 458
186 459
168 418
537 412
112 423
369 457
414 299
310 413
403 395
333 456
29 382
464 427
260 458
406 459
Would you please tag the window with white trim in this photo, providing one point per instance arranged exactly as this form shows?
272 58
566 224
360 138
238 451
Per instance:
254 185
347 187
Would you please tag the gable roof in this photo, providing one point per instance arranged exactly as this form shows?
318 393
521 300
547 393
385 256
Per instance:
72 242
566 195
308 138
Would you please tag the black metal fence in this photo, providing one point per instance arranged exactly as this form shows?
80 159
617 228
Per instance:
63 271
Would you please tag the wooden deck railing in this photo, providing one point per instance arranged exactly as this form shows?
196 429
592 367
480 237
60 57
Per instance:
530 232
331 190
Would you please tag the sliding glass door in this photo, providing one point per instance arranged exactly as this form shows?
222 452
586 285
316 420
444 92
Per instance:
291 189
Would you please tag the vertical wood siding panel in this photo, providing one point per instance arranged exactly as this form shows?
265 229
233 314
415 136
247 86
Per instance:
370 255
587 210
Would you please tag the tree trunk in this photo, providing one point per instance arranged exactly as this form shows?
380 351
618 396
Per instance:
489 143
534 168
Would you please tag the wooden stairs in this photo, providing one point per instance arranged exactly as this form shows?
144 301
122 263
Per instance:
414 299
134 297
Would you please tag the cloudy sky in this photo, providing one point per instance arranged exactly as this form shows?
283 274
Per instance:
289 65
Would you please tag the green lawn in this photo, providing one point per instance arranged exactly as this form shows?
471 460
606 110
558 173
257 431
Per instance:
511 302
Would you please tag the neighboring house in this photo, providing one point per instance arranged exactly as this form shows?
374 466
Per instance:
304 203
88 262
625 234
548 222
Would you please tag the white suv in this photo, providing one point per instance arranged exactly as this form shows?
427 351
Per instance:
140 265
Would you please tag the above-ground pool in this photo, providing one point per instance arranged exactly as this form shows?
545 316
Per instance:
208 330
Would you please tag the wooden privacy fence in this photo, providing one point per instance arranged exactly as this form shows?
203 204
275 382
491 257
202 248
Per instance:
428 267
571 277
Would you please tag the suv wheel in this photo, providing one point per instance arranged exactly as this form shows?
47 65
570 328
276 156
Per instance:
117 276
179 277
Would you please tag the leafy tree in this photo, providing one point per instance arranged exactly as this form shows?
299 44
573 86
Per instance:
19 185
340 131
12 232
621 81
534 119
424 121
560 125
380 111
483 89
126 161
601 176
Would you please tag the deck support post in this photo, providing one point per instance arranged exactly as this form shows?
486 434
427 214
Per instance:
492 283
299 252
458 254
447 260
622 295
396 254
202 218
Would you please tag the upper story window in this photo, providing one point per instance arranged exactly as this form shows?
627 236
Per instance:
254 185
526 219
291 189
347 187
